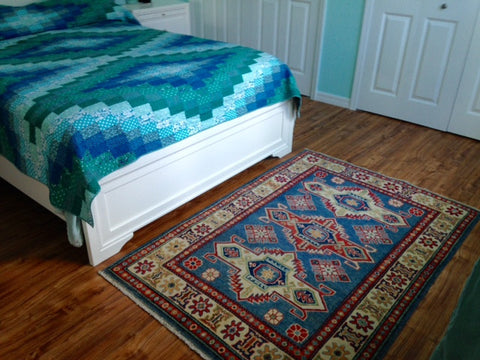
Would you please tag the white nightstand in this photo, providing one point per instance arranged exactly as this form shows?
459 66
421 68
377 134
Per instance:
170 15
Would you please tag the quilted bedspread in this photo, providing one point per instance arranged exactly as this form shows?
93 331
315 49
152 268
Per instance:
78 104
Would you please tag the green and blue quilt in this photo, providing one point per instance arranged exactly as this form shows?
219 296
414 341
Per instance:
78 103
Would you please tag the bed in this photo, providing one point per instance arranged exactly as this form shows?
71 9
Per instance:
111 125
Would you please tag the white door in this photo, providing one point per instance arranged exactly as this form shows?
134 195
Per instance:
288 29
413 57
465 118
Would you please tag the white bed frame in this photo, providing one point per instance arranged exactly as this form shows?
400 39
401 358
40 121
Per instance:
161 181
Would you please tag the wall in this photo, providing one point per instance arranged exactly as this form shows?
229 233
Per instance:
341 35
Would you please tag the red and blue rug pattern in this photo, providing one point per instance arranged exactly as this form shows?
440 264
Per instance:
316 259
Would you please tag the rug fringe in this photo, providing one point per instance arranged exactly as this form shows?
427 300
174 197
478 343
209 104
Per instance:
148 310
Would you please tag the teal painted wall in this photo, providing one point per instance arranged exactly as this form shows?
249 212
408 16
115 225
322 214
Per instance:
341 35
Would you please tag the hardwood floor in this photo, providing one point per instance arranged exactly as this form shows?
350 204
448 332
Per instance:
53 305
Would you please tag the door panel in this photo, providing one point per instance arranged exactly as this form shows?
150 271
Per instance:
432 60
298 36
269 29
232 22
390 54
251 20
414 56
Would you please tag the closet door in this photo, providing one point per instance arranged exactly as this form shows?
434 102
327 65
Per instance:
287 29
465 118
413 57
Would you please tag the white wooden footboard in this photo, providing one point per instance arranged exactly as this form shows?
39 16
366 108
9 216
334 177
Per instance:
161 181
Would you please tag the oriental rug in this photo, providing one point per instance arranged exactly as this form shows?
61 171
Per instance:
315 259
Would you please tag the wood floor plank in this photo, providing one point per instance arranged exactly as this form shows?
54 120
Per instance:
53 305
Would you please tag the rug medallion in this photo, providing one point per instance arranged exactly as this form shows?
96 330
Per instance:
316 259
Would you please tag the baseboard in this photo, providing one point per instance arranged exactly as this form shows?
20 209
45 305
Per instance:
332 99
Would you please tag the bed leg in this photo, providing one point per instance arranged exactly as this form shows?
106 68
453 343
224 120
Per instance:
281 152
101 248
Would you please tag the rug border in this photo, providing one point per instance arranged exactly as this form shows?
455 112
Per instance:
204 351
383 350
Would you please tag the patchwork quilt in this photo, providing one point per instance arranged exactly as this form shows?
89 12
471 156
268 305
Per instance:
78 103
